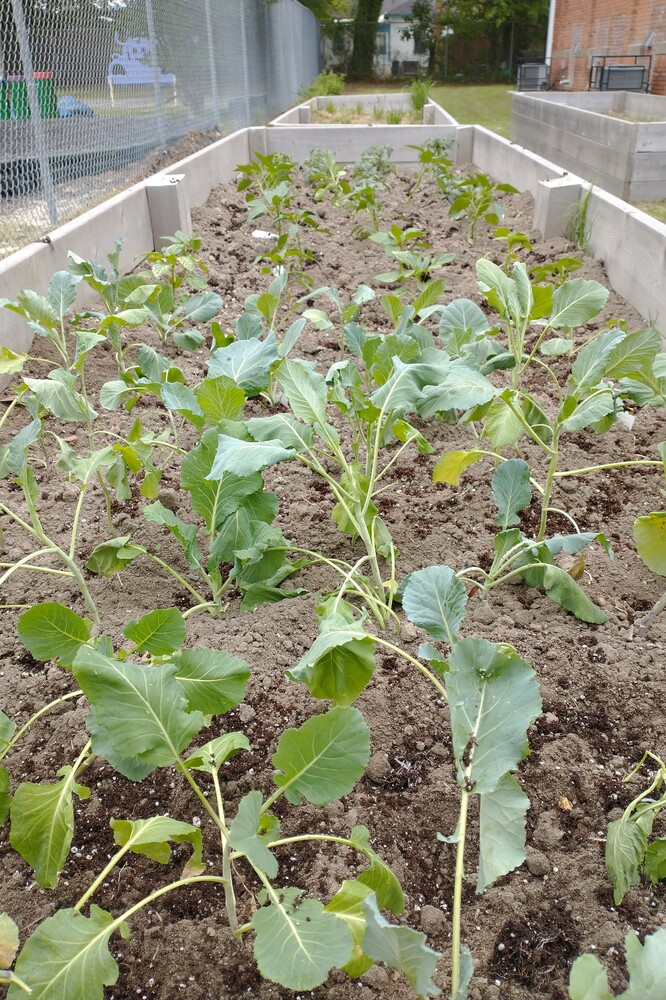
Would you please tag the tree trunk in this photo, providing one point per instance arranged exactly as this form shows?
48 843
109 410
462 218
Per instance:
365 33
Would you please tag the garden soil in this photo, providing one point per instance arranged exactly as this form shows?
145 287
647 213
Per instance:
602 686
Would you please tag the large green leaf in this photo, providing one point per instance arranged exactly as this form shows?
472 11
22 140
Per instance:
512 491
60 398
650 538
220 399
61 292
563 589
151 837
493 698
576 302
202 307
646 964
42 824
626 843
5 793
590 363
461 322
247 362
297 941
655 860
461 389
339 663
434 599
245 457
324 758
503 427
634 355
67 957
347 905
160 632
501 831
214 499
589 410
9 942
400 948
112 556
378 877
283 427
50 631
244 834
213 680
305 390
588 980
139 719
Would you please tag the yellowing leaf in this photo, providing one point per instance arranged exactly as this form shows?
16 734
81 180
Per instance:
452 464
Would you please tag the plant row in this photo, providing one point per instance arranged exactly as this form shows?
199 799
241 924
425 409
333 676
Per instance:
149 698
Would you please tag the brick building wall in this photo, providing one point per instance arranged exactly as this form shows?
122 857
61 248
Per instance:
603 28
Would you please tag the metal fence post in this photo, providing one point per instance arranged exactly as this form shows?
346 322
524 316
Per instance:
155 66
41 145
215 93
246 68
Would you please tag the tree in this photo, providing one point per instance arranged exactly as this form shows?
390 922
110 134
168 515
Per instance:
365 38
505 26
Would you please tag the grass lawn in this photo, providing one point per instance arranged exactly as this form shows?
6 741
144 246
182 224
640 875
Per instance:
486 104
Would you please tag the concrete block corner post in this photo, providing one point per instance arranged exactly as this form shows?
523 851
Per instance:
555 203
169 207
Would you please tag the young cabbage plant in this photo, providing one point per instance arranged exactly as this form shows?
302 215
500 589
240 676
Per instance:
493 698
324 174
268 181
524 308
433 161
646 966
515 554
419 266
476 199
629 851
146 715
356 475
234 546
112 462
170 296
347 313
401 239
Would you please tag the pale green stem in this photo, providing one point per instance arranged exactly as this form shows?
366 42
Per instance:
548 485
393 460
457 895
38 532
106 871
23 564
229 894
417 663
610 465
33 718
17 398
530 430
194 880
75 522
183 768
160 562
37 569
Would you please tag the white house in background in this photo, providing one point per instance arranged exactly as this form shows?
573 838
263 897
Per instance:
394 55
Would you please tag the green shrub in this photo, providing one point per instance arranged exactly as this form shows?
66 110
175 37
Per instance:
419 94
325 85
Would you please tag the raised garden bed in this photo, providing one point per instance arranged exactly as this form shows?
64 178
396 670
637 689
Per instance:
600 686
616 140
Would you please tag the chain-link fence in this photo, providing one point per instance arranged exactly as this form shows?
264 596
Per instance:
90 89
